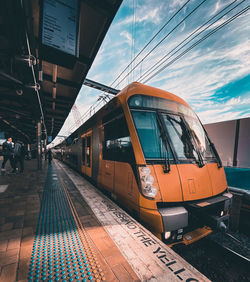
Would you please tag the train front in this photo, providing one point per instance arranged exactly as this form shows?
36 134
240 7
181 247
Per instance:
183 189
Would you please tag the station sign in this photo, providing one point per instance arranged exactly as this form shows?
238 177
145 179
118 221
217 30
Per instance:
59 31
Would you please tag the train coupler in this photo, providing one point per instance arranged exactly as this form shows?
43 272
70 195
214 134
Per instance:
219 223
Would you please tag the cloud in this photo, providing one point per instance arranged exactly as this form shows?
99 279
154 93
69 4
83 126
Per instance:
176 4
144 15
239 101
128 37
211 116
199 76
183 26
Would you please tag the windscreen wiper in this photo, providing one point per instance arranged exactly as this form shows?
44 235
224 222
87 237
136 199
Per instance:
191 136
166 168
214 150
189 139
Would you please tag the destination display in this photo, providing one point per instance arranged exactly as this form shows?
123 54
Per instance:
60 25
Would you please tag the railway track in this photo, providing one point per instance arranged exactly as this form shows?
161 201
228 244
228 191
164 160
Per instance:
221 257
234 243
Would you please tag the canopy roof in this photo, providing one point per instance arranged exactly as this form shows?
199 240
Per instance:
59 75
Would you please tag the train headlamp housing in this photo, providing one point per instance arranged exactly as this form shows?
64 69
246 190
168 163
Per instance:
147 181
167 235
136 101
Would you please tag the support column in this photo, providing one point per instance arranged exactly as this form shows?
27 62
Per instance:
237 131
39 151
45 148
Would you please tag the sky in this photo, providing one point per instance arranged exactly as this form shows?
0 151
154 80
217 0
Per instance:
213 77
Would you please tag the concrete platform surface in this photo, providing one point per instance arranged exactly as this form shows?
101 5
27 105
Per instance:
121 248
149 257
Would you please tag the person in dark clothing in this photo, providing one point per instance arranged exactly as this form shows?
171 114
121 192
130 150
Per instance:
49 156
8 154
19 155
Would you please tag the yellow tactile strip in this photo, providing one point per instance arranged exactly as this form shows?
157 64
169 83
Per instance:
62 250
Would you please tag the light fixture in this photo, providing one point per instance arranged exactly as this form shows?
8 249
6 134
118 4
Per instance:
167 235
35 86
147 181
19 92
29 59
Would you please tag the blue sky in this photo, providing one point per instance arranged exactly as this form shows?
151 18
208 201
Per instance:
213 77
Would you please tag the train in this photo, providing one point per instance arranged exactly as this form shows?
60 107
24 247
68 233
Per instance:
147 149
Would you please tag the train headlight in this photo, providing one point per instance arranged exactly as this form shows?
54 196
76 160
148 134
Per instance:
167 235
145 170
147 181
149 191
135 101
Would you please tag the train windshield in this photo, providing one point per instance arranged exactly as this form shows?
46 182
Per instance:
168 129
150 136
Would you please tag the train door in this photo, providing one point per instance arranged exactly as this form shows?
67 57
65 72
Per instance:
107 171
117 148
87 154
107 164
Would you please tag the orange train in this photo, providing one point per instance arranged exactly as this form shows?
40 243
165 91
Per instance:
149 151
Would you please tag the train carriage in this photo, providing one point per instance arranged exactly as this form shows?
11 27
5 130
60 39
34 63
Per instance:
149 151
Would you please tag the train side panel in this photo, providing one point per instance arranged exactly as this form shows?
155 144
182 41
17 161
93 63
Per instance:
95 153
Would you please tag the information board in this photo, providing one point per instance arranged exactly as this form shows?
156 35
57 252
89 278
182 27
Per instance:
60 25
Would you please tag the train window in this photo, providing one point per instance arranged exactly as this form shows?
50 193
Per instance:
149 135
200 138
83 150
187 136
113 114
88 151
142 101
117 143
179 136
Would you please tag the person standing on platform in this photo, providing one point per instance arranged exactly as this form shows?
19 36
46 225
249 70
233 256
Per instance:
49 156
19 154
8 154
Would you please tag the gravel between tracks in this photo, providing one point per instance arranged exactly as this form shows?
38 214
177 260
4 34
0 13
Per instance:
214 262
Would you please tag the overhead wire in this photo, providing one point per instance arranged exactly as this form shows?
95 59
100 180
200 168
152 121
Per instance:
177 12
192 46
199 41
166 57
134 33
170 32
132 36
135 57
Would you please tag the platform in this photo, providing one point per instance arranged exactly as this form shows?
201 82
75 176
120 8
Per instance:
56 226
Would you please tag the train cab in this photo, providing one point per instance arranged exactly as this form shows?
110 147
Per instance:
149 151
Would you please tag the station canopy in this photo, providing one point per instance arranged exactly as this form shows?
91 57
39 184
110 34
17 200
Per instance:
46 50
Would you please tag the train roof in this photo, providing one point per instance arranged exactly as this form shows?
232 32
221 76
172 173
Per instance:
130 90
139 88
